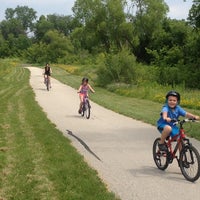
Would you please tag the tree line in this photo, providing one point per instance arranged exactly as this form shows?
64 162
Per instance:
118 32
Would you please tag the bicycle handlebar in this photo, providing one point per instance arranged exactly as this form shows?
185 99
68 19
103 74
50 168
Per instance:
175 121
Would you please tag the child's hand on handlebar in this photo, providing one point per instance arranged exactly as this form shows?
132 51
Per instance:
168 120
196 117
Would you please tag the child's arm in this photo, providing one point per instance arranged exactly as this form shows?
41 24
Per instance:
79 90
191 116
91 88
167 119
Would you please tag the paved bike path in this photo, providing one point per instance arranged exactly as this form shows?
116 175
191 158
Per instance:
118 147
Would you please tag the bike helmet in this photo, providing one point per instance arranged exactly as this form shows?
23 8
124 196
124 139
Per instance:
85 80
174 94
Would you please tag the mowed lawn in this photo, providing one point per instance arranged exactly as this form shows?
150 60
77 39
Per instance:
36 160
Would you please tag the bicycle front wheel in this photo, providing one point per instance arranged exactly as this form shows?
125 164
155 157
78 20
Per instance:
160 158
87 109
83 111
190 163
47 84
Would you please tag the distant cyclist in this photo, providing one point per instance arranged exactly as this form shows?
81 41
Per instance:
83 91
47 73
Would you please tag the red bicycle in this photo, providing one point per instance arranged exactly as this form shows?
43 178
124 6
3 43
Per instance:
188 158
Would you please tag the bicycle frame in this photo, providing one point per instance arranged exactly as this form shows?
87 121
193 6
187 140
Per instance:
179 139
46 77
85 100
187 158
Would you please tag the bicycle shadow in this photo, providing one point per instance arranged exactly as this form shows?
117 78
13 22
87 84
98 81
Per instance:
42 89
79 117
84 144
74 116
150 171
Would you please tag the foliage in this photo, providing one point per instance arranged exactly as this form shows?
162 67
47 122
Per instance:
53 46
118 68
142 102
24 15
194 16
107 27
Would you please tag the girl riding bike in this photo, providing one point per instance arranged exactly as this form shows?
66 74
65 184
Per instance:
83 92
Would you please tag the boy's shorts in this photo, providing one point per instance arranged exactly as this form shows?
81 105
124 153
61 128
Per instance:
175 129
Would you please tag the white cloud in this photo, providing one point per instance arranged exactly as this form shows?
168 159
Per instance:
178 8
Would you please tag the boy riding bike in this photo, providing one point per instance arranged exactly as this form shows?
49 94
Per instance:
83 92
171 111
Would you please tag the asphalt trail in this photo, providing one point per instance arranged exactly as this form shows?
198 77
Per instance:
118 147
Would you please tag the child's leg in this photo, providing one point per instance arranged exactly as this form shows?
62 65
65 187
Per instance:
165 133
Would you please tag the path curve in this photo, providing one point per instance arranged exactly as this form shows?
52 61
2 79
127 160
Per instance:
118 147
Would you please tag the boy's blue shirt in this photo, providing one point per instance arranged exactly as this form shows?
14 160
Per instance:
173 114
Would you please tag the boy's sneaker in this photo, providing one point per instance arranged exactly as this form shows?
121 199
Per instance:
162 147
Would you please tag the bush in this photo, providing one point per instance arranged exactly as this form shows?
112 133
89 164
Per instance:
117 68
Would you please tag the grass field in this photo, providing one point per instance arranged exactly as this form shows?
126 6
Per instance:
137 108
144 87
37 161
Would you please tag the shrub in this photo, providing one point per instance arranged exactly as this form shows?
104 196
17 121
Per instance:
117 68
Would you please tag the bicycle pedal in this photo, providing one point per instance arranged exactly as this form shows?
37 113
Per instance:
169 158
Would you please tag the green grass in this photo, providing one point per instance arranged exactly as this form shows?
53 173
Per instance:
37 161
145 86
141 109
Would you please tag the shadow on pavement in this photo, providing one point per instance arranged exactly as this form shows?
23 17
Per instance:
84 145
149 171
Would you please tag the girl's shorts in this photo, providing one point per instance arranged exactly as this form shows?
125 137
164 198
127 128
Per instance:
175 129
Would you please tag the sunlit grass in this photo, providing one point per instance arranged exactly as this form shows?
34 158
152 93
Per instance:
142 103
37 161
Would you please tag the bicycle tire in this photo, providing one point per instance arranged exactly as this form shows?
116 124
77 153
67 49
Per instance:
87 110
47 84
188 157
83 111
159 157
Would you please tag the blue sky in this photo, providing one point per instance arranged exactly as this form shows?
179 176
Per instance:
178 8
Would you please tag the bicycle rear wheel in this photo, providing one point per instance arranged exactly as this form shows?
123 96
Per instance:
160 158
190 163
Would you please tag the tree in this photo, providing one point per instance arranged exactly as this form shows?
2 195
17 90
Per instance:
63 24
103 23
12 26
15 28
42 26
4 49
53 47
147 20
167 47
25 15
194 14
